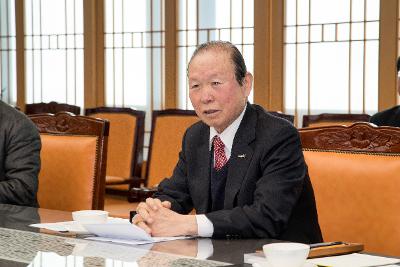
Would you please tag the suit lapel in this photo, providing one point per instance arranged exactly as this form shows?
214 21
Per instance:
241 156
202 171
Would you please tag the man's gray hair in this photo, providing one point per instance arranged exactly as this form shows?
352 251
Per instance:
236 56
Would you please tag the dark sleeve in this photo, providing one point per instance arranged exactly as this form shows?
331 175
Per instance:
175 189
374 119
21 164
275 194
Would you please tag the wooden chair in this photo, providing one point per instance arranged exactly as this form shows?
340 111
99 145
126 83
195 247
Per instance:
168 128
326 119
283 115
355 173
73 161
51 107
125 146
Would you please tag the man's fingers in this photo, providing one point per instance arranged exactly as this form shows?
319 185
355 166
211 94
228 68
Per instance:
138 221
166 204
153 203
143 211
144 226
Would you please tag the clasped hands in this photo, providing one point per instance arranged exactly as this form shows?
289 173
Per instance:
157 219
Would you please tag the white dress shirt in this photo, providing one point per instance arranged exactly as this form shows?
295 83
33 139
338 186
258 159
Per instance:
205 228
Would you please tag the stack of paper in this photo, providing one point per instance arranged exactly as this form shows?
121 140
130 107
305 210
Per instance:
73 226
115 230
124 233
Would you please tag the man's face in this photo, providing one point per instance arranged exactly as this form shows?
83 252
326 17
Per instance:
216 96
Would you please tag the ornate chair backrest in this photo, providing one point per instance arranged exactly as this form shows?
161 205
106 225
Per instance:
125 141
355 173
168 128
51 107
73 161
327 119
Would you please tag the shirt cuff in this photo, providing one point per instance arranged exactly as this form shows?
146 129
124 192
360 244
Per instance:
205 228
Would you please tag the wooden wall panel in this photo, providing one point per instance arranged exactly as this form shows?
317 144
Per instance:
268 54
388 54
171 72
94 90
20 53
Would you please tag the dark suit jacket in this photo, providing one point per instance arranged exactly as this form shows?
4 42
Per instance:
268 193
19 158
389 117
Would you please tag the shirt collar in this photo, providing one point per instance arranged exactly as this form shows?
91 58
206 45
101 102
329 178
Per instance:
229 133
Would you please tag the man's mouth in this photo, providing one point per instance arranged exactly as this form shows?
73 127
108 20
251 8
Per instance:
210 111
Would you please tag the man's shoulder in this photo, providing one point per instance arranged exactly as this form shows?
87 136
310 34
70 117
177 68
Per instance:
388 117
389 111
9 113
270 123
13 118
197 128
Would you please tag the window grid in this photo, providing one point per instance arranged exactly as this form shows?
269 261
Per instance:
7 52
134 40
323 33
323 38
54 51
120 41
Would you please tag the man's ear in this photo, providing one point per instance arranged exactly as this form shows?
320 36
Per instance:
398 85
248 83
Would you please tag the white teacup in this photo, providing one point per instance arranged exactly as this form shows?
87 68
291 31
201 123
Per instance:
90 216
286 254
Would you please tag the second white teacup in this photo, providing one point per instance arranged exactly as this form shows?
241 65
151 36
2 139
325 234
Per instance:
286 254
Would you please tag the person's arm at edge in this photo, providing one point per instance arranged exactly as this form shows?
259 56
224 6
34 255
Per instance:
22 164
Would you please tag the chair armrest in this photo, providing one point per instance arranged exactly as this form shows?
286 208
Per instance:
136 181
137 194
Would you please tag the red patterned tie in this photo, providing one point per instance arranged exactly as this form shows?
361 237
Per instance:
219 153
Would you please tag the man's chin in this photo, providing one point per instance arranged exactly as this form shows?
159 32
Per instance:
211 123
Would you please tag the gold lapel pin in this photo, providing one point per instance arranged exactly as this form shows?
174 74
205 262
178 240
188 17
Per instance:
242 156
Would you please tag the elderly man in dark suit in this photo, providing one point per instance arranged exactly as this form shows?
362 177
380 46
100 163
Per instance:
240 168
19 158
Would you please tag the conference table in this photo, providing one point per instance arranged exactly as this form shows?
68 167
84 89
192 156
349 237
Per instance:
23 245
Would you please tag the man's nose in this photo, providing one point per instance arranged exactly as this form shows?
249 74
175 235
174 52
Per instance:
207 94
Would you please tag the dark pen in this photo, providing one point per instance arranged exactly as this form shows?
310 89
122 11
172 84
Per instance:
326 244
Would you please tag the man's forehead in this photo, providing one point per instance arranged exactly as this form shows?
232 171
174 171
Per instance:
214 50
212 58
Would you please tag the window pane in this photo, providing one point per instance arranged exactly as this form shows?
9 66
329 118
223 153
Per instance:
134 31
334 69
54 45
134 56
7 52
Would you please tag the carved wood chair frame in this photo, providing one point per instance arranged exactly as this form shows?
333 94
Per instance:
66 123
51 107
138 138
331 117
138 192
359 137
